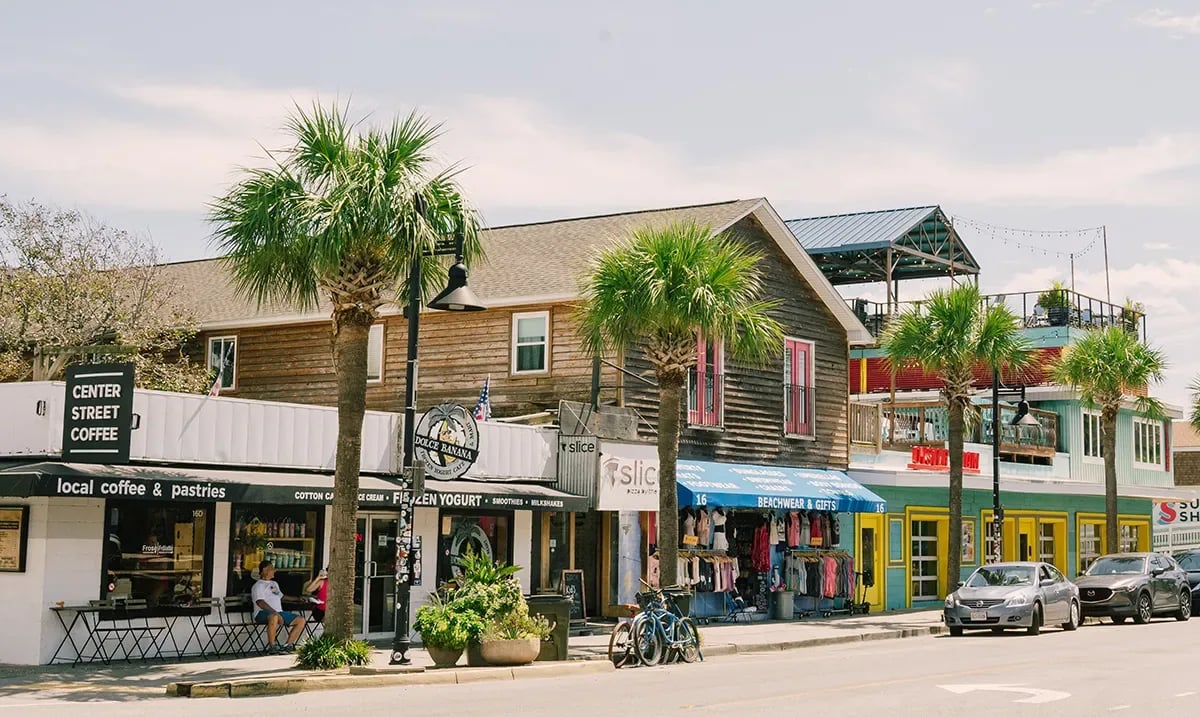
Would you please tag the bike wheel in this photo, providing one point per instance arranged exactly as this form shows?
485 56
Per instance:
620 645
648 644
688 635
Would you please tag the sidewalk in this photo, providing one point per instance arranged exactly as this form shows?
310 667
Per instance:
276 674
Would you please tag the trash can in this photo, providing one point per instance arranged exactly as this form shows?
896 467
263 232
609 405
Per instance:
784 601
682 599
556 609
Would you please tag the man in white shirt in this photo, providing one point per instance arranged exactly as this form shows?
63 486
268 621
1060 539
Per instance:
268 609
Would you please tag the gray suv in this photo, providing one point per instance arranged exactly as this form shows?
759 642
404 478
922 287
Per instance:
1137 585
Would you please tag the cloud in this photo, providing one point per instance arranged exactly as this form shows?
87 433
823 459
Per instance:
1178 25
172 147
1156 246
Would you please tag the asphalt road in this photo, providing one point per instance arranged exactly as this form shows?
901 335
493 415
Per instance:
1135 669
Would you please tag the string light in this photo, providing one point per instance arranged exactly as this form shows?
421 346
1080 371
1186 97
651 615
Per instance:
1026 238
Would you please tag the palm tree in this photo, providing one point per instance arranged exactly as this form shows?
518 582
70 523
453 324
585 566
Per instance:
657 291
341 215
950 334
1104 366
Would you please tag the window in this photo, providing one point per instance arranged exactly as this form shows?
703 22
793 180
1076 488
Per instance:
1129 539
1090 539
989 542
531 342
222 359
1147 443
1046 542
289 537
486 535
158 552
706 384
798 387
1092 448
924 560
375 353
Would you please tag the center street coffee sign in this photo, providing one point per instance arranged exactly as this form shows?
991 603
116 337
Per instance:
98 413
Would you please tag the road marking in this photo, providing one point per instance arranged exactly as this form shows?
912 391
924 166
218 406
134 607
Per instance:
1036 696
1118 708
1185 694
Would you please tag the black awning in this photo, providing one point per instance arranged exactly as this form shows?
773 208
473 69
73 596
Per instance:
138 482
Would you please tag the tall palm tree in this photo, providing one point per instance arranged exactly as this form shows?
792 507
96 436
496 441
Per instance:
341 215
950 334
658 290
1105 365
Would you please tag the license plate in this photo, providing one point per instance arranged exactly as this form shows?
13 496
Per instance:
979 616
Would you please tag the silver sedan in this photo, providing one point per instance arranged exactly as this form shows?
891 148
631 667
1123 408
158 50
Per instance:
1018 595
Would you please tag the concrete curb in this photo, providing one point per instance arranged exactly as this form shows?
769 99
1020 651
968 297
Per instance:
381 677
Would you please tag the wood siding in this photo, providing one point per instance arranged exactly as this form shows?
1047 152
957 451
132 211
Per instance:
457 352
753 430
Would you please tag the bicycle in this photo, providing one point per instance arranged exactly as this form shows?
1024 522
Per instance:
665 633
623 647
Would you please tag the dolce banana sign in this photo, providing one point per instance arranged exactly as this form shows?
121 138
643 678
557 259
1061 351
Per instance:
628 477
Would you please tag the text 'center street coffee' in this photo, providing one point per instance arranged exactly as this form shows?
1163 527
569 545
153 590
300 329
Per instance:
98 413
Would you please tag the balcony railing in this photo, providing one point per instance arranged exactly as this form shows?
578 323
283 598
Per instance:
1036 309
798 410
706 396
902 425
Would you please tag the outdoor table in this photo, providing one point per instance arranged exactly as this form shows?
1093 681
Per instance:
91 647
304 608
89 617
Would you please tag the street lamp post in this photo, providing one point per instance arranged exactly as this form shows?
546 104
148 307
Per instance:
1023 418
457 296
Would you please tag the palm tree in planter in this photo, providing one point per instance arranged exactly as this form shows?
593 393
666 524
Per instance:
1105 365
659 290
951 334
341 215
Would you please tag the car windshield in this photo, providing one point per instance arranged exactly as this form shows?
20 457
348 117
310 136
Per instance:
1189 562
1003 575
1117 566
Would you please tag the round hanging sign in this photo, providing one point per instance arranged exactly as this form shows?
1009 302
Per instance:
447 441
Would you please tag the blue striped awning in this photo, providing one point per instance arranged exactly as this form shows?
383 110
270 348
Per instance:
741 485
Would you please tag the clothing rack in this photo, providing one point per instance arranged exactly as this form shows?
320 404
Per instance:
825 576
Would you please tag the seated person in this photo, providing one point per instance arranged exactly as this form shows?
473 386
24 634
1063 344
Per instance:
268 609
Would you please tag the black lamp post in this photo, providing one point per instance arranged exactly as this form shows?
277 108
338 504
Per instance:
1023 418
457 296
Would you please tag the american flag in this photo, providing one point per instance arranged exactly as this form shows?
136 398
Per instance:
483 407
216 387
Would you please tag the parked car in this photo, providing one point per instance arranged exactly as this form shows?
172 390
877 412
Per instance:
1005 595
1189 560
1137 585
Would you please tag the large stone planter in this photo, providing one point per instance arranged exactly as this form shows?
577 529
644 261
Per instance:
510 652
475 655
444 657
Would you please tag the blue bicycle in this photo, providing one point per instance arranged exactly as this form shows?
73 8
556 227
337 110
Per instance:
663 634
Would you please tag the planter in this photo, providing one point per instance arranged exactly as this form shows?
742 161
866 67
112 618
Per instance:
475 656
510 652
1058 315
444 657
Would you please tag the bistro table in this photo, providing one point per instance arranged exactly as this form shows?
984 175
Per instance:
89 617
102 619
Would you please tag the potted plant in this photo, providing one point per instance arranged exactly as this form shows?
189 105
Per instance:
1131 315
446 627
488 590
515 638
1057 302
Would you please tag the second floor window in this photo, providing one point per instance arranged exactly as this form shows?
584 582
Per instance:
531 342
797 387
706 384
375 353
222 359
1091 436
1147 443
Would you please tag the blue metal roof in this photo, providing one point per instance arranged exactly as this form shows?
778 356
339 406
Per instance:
741 485
863 230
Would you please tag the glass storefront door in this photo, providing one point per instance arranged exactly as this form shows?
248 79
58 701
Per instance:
375 583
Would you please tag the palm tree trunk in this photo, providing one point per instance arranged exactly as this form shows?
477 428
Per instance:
954 559
1108 446
350 363
670 393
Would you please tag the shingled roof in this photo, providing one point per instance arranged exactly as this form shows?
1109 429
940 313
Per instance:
526 264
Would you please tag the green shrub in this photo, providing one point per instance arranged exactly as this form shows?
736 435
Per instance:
518 625
327 653
446 623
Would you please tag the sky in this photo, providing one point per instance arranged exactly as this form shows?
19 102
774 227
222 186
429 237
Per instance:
1052 115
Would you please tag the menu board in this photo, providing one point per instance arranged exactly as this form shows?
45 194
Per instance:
572 587
14 535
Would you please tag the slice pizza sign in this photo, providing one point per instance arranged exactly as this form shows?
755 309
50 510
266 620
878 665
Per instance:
447 441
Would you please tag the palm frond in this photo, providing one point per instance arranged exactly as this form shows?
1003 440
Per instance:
1106 364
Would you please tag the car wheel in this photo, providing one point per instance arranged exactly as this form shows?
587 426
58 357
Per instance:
1035 624
1145 609
1185 606
955 631
1118 619
1072 621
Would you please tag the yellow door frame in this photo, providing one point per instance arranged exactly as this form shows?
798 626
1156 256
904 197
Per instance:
1015 522
876 595
941 516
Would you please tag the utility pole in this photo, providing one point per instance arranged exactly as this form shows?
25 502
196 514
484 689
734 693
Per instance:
1107 286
